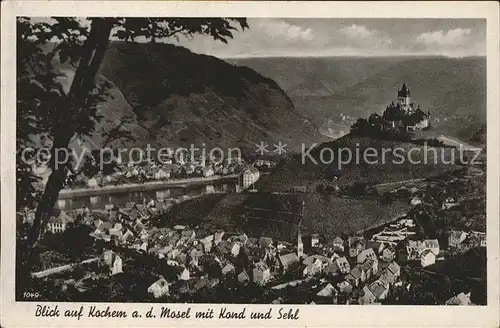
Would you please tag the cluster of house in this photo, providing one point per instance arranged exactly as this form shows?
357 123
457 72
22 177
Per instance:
459 239
356 270
134 172
425 251
357 260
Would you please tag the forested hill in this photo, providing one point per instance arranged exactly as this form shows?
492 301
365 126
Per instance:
173 97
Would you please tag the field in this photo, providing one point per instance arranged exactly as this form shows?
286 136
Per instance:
278 215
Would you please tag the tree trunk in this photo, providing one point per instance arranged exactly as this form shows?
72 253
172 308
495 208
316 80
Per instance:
93 52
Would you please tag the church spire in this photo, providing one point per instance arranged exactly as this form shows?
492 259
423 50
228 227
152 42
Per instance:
300 244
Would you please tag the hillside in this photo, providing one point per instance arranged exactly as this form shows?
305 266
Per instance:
167 96
262 214
385 168
312 82
180 98
316 76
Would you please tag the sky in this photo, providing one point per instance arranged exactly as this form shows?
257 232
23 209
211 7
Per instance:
348 37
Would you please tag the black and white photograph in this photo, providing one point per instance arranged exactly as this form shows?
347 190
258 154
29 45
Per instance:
250 160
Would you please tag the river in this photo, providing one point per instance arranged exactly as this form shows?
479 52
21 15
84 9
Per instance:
121 198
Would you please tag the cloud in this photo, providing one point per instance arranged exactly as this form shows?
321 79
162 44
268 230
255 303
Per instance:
358 31
361 36
452 37
352 37
279 29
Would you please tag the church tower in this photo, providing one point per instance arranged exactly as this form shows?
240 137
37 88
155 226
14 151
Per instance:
404 97
300 244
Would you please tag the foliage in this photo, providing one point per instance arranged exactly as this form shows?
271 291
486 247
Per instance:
50 115
396 113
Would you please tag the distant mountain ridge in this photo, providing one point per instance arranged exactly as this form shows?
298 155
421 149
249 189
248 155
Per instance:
325 87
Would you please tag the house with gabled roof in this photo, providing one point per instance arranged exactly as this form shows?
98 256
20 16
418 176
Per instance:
188 233
113 261
432 245
456 238
242 239
218 237
356 276
127 236
138 227
174 240
181 258
338 244
387 278
314 240
366 254
344 287
327 291
103 228
331 269
427 258
368 297
228 269
159 288
265 242
388 254
59 223
159 174
379 289
342 264
370 267
394 268
173 253
287 260
356 245
313 268
243 276
184 274
261 273
233 248
207 243
460 299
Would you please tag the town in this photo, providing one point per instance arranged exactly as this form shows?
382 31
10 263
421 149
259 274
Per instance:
185 263
122 173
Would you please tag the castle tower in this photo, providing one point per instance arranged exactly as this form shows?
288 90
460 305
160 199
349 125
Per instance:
404 96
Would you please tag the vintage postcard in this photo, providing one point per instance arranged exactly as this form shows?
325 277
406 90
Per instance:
250 164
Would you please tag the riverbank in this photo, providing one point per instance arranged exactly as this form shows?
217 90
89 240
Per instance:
150 185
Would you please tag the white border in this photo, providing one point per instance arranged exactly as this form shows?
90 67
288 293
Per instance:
21 314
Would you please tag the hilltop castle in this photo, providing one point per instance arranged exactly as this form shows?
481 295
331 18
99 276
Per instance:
405 113
397 119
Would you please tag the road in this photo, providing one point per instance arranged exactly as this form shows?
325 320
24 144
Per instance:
450 141
62 268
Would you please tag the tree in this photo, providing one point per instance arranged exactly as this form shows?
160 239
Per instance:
50 116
